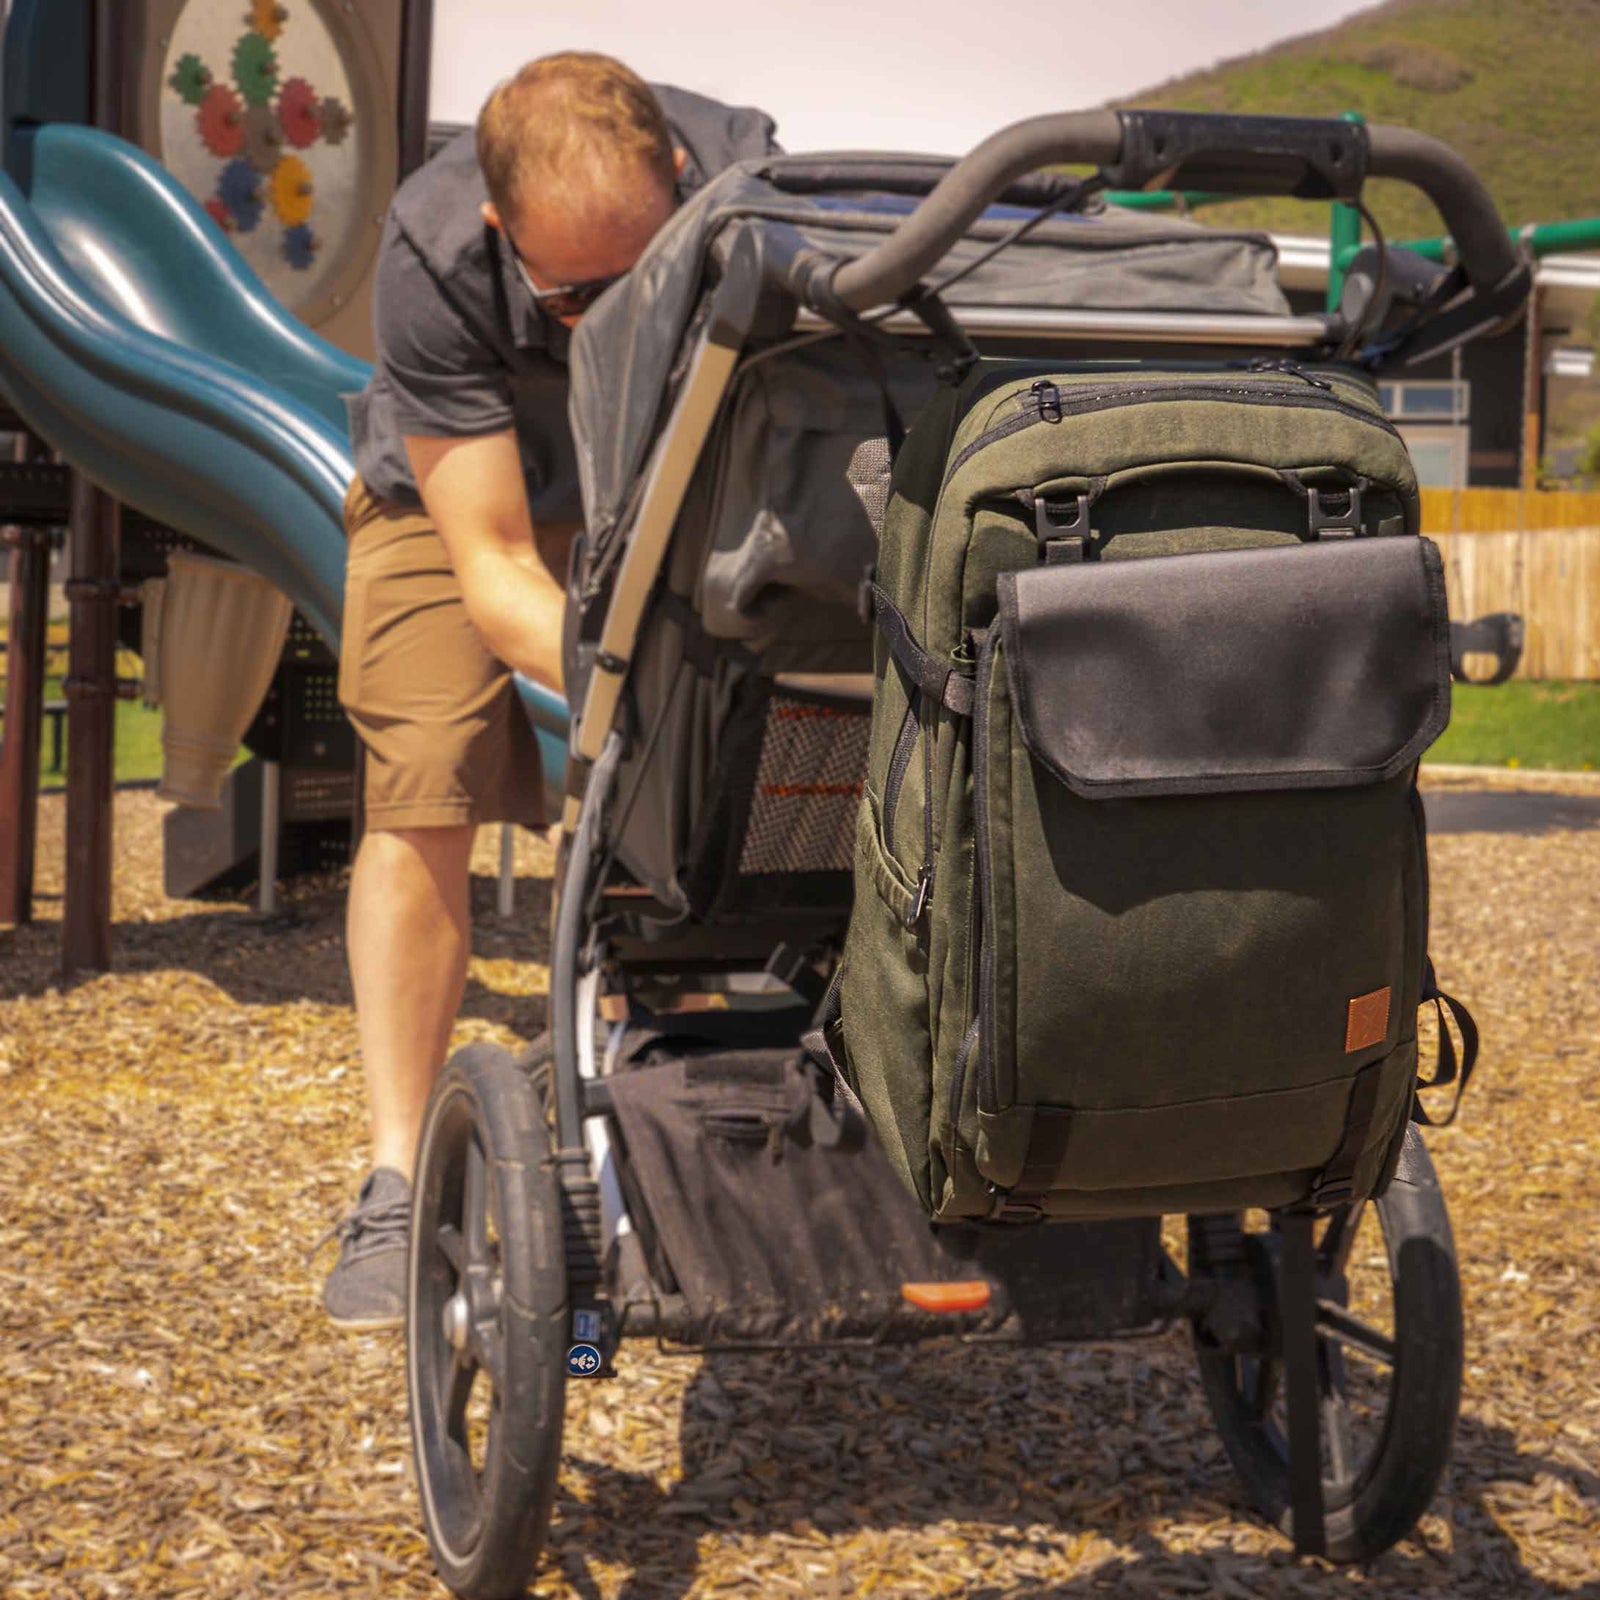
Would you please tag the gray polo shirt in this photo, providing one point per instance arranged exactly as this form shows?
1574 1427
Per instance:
462 349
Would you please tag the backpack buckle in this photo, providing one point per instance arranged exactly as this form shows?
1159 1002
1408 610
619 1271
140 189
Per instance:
1006 1207
1324 519
1066 540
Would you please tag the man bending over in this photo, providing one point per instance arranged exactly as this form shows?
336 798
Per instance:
460 520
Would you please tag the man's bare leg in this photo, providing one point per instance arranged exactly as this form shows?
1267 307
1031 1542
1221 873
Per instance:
409 935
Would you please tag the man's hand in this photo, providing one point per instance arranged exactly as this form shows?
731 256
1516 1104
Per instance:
512 575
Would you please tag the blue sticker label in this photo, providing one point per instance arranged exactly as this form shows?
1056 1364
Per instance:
583 1361
586 1326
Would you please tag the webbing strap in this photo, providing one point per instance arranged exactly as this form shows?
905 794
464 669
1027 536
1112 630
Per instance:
1447 1069
942 681
1336 1183
1297 1316
1041 1168
842 1126
868 343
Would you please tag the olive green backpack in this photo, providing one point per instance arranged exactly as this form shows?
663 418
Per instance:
1141 880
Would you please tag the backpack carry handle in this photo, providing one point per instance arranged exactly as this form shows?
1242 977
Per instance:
1311 157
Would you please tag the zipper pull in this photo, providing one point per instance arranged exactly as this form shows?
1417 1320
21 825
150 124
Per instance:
920 899
1047 397
1290 367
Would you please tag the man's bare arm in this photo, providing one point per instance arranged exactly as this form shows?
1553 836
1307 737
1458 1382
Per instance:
512 575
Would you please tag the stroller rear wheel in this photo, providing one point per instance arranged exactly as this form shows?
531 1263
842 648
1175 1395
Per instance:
485 1324
1389 1361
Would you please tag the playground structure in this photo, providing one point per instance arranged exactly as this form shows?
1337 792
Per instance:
187 404
175 359
177 339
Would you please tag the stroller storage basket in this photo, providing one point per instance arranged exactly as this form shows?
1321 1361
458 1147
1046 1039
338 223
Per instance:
780 817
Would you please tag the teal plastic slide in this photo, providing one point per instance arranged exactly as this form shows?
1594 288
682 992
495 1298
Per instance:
136 341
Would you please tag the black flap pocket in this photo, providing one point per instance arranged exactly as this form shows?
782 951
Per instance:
1311 666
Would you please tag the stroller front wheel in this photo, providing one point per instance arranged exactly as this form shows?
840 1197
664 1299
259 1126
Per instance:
485 1325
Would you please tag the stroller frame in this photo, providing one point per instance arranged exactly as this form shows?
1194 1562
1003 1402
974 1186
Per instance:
550 1317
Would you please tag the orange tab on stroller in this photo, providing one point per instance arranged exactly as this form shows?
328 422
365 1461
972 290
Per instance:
972 1295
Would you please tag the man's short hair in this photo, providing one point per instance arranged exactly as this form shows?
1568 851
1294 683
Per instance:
566 126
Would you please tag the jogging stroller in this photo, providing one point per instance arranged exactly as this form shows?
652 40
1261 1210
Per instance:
673 1165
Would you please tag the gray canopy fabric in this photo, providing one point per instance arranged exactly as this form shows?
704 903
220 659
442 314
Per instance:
627 347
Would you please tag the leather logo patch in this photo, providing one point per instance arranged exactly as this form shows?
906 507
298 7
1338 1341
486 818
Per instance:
1367 1022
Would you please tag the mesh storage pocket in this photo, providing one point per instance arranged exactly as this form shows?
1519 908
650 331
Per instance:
778 819
807 786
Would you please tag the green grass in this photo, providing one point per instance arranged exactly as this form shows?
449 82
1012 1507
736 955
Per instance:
1509 83
1517 724
138 743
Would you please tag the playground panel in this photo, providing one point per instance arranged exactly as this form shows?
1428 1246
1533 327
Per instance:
279 117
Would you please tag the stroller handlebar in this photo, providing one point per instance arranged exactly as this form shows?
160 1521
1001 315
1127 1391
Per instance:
1482 243
1311 157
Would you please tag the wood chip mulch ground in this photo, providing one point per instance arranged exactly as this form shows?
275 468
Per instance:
176 1419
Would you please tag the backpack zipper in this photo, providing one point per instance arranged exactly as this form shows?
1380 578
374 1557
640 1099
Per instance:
905 745
1047 402
925 876
958 1077
984 1020
1283 364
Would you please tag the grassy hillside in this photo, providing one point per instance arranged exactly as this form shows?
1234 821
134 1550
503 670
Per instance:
1513 84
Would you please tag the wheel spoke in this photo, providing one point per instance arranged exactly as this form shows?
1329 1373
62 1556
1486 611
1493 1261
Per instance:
475 1203
458 1389
1264 1390
1334 1322
486 1352
452 1247
1339 1238
1335 1413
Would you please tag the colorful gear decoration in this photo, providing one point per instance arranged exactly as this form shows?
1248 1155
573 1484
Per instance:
300 113
190 79
255 68
239 189
220 214
300 246
336 120
291 191
220 120
267 17
263 139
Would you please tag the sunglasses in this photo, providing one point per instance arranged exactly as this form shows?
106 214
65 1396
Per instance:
566 299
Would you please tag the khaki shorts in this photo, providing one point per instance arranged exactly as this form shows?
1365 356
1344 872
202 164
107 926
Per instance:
446 738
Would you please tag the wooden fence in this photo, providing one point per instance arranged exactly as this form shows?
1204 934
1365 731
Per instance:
1537 554
1505 510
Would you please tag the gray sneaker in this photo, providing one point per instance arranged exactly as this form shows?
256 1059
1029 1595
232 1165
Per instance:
367 1287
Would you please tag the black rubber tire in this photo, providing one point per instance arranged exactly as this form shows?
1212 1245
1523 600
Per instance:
1380 1501
487 1526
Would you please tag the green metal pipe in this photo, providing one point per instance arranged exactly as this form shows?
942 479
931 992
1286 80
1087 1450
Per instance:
1163 199
1344 240
1554 238
1539 239
1344 236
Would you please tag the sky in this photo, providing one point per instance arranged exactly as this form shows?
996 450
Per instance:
933 75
